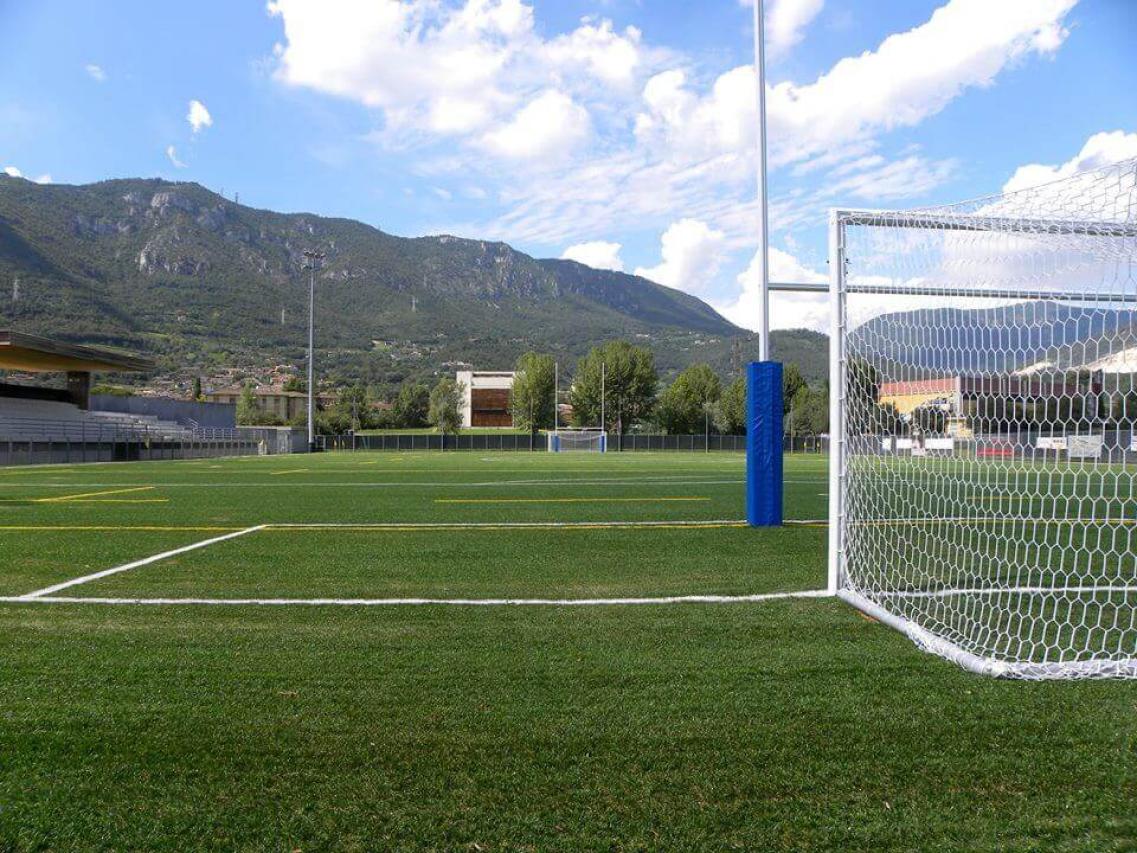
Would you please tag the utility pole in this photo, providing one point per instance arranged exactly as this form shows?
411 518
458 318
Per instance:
603 371
707 425
312 259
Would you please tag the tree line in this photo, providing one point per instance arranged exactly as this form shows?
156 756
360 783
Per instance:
616 381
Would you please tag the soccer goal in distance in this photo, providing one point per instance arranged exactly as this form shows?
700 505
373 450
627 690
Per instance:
578 441
983 407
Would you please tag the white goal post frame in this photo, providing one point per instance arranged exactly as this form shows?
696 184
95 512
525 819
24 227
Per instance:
838 289
596 441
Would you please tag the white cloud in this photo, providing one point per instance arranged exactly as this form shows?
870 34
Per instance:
198 116
876 179
95 72
597 254
452 71
13 172
691 256
786 21
787 311
548 126
609 56
909 77
1101 149
172 156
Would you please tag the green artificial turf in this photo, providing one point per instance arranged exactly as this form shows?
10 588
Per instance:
792 724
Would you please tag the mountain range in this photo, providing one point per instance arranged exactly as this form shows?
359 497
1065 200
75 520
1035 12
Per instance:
1026 336
201 282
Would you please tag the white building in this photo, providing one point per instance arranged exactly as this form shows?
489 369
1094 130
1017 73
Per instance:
486 398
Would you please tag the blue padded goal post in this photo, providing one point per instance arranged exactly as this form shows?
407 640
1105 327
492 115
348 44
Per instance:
764 444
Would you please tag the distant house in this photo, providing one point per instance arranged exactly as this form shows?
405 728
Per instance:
486 398
286 405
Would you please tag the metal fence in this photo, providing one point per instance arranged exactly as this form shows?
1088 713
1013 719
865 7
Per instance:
535 443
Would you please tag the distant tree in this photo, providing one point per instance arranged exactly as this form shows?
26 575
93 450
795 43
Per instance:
809 412
112 390
864 384
629 384
1124 409
532 396
195 392
792 382
247 410
295 383
929 419
445 406
730 413
885 420
352 409
411 406
684 406
249 413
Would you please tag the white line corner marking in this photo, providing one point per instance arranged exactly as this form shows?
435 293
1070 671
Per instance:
46 591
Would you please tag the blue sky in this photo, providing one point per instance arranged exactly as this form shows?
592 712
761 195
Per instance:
617 132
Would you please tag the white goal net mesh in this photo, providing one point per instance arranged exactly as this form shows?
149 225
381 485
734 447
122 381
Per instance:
986 364
579 441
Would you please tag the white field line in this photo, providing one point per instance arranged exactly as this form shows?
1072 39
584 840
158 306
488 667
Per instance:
39 593
448 602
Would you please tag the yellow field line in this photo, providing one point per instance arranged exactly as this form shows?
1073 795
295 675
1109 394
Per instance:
292 471
119 501
64 498
560 500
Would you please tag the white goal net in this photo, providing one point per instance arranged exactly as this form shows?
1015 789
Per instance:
984 371
578 441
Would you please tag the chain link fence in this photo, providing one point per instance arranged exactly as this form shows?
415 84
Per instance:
629 443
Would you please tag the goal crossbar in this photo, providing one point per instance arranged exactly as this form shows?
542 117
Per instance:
982 222
902 290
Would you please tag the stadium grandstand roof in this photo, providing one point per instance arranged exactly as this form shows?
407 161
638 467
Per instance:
34 354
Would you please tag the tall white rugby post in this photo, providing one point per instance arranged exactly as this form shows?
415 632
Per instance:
763 255
836 396
312 259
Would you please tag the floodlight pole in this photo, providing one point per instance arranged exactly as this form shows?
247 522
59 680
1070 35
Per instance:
556 397
312 258
763 255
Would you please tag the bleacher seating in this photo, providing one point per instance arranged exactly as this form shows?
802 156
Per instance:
48 420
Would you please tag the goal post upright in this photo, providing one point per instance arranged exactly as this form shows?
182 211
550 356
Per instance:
836 396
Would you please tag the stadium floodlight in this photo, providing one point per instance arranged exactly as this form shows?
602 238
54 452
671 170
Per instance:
983 425
312 259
